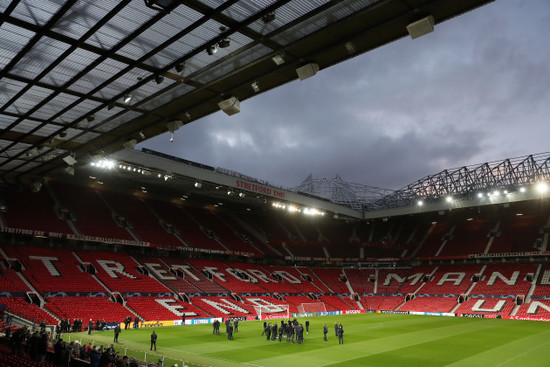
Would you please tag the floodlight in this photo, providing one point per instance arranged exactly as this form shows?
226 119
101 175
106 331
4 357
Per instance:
90 118
480 195
198 185
522 189
542 187
211 50
224 43
70 160
307 70
269 17
230 106
127 98
449 199
419 203
180 66
141 135
421 27
159 78
255 86
278 59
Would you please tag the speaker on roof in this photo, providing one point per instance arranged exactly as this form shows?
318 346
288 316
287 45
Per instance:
230 106
307 70
421 27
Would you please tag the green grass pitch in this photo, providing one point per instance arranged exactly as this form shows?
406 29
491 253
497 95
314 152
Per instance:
369 340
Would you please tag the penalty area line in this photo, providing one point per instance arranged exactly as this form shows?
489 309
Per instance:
208 357
519 355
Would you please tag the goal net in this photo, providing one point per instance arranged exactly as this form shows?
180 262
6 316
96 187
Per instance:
312 307
272 311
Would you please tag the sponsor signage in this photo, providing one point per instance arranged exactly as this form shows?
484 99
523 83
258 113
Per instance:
236 318
475 315
156 323
202 321
351 312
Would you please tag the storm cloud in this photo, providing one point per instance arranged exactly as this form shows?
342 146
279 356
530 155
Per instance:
474 90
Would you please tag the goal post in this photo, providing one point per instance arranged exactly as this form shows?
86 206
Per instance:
313 307
272 311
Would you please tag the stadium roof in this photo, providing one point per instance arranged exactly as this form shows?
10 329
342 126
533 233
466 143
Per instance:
87 78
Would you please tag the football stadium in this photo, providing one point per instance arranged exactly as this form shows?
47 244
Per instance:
115 254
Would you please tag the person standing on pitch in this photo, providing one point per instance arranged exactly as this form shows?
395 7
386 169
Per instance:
117 333
90 326
325 332
229 331
340 335
307 326
153 340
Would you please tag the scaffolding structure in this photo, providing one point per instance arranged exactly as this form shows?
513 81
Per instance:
466 182
461 183
354 195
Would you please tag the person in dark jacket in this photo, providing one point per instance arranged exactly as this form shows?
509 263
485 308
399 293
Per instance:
153 340
340 334
118 330
229 331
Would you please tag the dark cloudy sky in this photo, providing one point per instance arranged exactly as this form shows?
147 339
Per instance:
477 89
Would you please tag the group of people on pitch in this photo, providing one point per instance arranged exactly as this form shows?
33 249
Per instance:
292 330
229 328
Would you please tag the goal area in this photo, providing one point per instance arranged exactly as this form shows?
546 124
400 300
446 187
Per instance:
312 307
272 311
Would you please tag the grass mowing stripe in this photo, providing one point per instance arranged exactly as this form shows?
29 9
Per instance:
533 347
356 348
370 340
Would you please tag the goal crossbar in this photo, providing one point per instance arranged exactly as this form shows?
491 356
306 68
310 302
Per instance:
272 311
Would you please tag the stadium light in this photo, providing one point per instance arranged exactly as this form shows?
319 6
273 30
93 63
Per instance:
312 211
211 50
293 209
419 203
278 59
480 195
449 199
105 164
542 187
522 189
